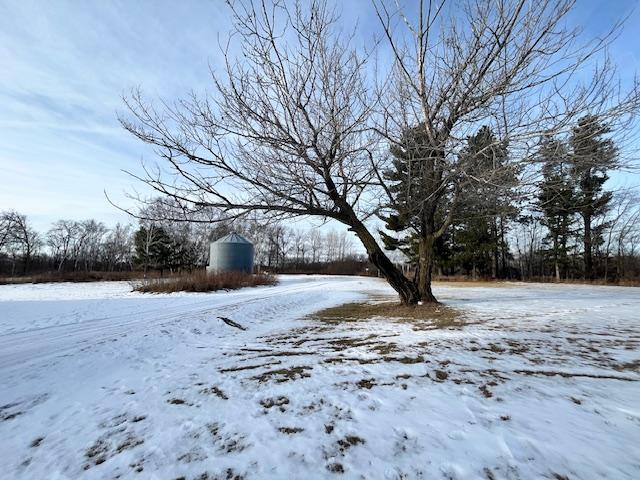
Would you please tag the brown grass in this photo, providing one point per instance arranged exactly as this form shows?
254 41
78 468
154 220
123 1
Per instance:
423 316
283 374
200 281
291 430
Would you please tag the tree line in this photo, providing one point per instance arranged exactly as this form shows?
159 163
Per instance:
168 246
568 227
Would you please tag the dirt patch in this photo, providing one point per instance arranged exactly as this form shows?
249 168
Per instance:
248 367
129 443
279 402
484 389
488 474
349 441
36 442
361 361
213 390
283 374
110 445
335 468
227 442
405 360
339 344
385 348
495 348
367 383
441 375
549 373
9 411
228 474
633 365
292 353
290 430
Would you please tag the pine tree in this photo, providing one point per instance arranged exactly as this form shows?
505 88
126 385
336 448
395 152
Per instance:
592 156
153 247
556 200
486 204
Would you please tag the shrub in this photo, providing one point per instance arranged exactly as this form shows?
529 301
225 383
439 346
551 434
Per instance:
200 281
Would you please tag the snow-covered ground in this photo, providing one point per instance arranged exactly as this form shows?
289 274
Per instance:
541 381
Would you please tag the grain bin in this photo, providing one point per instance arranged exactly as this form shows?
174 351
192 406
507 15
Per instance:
231 253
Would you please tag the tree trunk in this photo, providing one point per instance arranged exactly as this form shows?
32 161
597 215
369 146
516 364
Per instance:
425 269
556 249
588 258
409 293
503 251
496 247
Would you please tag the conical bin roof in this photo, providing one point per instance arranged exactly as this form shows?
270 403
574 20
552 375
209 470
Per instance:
233 238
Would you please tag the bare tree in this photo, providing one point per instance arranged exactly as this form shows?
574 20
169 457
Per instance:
61 237
300 241
117 249
315 243
6 227
18 238
288 129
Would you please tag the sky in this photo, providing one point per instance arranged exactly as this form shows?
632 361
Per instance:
64 66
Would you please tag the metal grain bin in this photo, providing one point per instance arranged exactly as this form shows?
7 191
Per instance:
231 253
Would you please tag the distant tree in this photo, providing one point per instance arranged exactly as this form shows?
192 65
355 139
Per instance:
6 227
592 156
18 239
91 245
118 248
556 200
152 247
315 244
61 238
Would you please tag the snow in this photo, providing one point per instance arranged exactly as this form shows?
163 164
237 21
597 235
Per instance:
541 381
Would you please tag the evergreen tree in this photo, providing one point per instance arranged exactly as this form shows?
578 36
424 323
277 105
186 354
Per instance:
152 247
418 213
556 200
486 204
592 156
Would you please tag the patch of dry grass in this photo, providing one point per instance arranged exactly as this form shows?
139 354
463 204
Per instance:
284 374
200 281
290 430
424 317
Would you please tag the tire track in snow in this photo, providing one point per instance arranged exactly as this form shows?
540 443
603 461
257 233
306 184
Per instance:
21 348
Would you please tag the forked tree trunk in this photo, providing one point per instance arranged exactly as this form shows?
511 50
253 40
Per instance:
407 290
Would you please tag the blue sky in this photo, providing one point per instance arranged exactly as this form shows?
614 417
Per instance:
65 64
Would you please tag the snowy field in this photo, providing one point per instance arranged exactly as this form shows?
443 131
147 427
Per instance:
536 382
